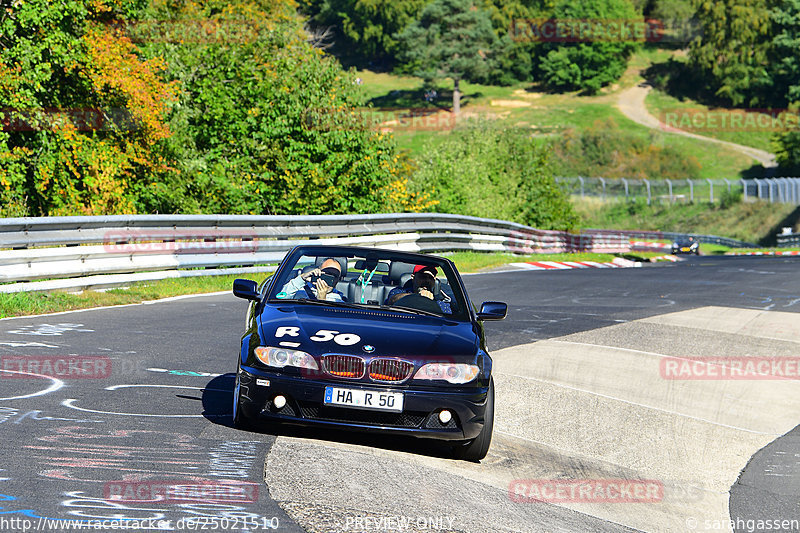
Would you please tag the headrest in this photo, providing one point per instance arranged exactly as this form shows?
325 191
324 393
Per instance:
396 271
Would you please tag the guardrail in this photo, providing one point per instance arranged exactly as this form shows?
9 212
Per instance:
780 190
788 239
108 251
672 236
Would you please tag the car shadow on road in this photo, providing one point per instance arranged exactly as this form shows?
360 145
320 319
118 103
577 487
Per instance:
218 409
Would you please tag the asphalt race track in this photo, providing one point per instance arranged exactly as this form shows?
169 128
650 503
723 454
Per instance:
143 402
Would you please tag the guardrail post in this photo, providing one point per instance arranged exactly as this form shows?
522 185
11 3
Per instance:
771 195
625 182
603 183
669 184
728 183
744 190
691 191
581 180
796 182
647 184
710 191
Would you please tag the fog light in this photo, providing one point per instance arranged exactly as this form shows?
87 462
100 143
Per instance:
279 401
445 417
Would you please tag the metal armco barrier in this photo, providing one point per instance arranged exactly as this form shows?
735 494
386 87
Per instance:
789 239
672 236
107 251
780 190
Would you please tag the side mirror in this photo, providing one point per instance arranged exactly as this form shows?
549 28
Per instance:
493 311
246 288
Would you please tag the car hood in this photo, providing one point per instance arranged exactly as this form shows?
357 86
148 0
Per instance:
319 330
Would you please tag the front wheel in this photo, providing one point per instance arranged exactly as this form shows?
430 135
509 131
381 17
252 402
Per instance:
477 448
240 420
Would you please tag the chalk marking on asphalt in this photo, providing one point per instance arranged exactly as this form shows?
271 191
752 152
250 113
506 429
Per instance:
578 389
27 344
57 384
69 402
115 387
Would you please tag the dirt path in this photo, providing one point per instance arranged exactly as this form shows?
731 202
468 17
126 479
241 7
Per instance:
631 103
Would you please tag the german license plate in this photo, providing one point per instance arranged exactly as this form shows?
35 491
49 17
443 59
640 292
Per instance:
364 399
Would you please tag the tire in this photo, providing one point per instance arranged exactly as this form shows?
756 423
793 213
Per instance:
240 421
477 448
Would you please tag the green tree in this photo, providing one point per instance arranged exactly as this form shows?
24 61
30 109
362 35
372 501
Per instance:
64 76
599 57
493 172
366 28
451 39
732 49
265 123
787 142
784 58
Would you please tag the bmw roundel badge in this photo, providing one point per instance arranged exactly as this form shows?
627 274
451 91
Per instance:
368 348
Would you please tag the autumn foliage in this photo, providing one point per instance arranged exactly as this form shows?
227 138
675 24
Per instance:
127 106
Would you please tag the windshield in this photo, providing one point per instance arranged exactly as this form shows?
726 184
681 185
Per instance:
385 279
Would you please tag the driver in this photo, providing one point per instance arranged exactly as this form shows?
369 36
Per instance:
423 282
303 287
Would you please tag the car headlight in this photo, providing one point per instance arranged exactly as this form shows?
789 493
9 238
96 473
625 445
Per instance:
281 357
694 245
450 372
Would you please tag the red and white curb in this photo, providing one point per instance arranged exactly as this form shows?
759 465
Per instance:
566 265
669 257
649 246
793 252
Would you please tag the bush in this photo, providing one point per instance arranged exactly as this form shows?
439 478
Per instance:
606 151
588 66
492 172
730 198
256 128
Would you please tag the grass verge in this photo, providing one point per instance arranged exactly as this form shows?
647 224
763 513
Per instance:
35 303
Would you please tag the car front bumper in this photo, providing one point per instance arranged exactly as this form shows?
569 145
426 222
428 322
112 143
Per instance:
304 406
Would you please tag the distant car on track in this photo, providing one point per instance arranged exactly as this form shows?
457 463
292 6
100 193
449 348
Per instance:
412 362
686 246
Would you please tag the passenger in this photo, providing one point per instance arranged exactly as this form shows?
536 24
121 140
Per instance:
303 287
423 281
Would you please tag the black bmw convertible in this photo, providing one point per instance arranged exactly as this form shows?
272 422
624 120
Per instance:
367 339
